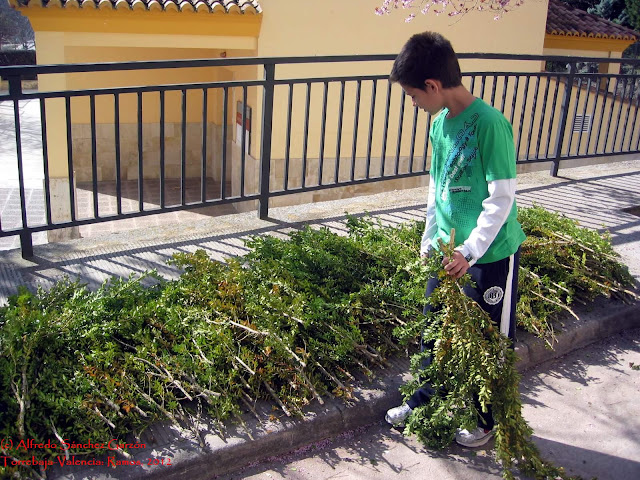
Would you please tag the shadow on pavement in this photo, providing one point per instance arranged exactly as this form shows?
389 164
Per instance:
120 258
588 463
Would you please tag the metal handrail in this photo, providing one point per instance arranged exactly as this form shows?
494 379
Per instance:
544 137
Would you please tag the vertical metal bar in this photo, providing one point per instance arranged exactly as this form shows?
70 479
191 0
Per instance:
638 139
493 91
615 130
116 134
522 116
339 138
72 191
482 85
140 156
225 134
575 114
412 148
542 117
593 113
605 94
26 241
265 148
203 185
613 107
183 153
94 156
633 125
473 82
504 93
305 141
515 99
636 71
584 116
372 111
26 244
533 115
323 127
426 143
287 152
383 153
564 110
553 115
162 150
400 125
356 118
243 153
45 160
626 118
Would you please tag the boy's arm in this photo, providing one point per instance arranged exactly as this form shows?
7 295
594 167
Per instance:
430 226
495 210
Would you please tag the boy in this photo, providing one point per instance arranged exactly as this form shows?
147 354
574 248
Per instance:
471 188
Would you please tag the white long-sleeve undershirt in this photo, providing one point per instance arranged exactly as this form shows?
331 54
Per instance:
495 210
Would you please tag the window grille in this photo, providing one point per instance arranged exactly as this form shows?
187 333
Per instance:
581 123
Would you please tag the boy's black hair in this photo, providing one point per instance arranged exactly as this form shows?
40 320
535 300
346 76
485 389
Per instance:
426 55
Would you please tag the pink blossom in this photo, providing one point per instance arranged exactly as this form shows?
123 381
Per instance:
453 7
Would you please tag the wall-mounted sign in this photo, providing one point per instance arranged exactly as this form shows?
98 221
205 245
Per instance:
247 126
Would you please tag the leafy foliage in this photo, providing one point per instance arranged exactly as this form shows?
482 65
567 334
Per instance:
14 27
613 10
562 263
470 356
291 322
633 11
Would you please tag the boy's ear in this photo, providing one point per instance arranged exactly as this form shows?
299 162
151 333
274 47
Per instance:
430 84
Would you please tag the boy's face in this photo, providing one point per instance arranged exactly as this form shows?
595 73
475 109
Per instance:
427 98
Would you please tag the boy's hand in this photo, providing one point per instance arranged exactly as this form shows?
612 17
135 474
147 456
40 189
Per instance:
457 266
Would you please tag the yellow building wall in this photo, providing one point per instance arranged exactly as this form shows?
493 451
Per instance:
331 27
536 123
89 47
615 121
336 27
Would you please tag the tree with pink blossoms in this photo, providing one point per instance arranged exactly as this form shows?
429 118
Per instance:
451 8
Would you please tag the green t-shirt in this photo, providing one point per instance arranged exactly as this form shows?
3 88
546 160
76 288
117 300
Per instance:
470 150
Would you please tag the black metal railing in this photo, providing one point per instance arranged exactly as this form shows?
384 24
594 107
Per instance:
113 152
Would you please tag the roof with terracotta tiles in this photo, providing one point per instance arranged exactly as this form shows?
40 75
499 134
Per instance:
201 6
565 20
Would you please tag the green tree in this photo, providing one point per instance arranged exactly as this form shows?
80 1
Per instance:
7 26
14 27
582 4
633 10
613 10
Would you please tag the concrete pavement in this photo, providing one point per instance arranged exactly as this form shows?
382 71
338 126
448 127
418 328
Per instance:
582 407
597 196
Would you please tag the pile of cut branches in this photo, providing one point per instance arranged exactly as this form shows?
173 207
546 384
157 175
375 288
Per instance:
470 358
291 322
563 264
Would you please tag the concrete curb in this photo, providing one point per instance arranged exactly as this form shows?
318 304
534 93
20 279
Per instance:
238 447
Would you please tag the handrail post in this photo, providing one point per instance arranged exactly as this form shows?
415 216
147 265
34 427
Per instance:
564 113
265 147
26 244
15 92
